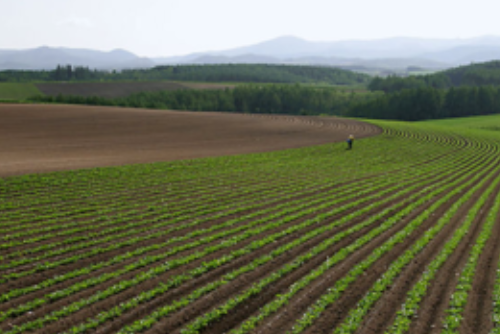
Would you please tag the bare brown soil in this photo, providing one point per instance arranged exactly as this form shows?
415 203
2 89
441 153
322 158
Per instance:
44 138
120 89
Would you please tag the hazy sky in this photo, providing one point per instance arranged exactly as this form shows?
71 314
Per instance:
177 27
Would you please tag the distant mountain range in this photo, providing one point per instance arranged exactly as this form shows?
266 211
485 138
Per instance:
386 54
47 58
391 53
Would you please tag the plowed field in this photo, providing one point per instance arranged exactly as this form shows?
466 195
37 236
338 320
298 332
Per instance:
398 235
42 138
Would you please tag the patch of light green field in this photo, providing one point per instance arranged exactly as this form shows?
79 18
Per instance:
17 91
490 122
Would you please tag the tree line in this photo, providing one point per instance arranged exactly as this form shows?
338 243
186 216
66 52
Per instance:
60 73
393 83
252 73
431 103
269 99
257 73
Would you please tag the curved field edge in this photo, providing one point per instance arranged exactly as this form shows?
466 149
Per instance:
45 138
301 240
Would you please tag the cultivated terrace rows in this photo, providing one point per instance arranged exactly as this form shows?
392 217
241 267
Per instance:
398 235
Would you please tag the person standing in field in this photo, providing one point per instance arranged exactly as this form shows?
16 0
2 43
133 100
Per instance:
350 140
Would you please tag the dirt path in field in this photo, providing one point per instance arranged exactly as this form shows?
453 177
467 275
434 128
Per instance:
45 138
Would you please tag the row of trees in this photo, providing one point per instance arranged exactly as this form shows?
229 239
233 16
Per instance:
258 73
274 99
431 103
207 73
61 73
69 73
393 84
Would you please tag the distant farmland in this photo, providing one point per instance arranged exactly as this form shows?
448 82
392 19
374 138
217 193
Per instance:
119 89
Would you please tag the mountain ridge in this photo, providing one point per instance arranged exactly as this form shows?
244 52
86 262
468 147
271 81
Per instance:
389 53
293 50
48 58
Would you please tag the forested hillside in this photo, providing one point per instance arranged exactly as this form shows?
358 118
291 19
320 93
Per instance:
203 73
462 91
269 99
470 75
430 103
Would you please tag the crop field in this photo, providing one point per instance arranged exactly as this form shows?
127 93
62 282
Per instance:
398 235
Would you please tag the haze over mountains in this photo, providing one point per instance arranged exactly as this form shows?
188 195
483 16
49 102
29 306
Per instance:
395 53
47 58
392 53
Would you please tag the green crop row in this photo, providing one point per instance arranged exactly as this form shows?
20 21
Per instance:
459 298
166 223
95 322
132 227
144 231
356 316
281 300
72 248
152 259
410 307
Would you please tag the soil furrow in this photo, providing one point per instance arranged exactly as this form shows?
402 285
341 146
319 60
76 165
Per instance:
434 304
337 312
237 286
253 304
117 299
479 308
384 311
340 311
33 279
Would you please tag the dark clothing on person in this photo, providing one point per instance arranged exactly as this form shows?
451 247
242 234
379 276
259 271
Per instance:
349 143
